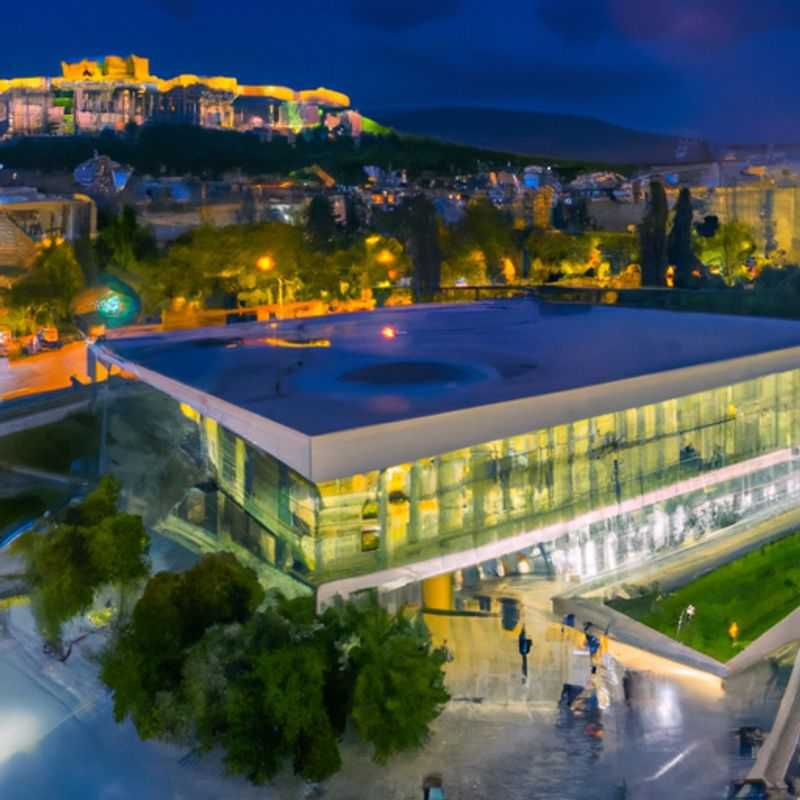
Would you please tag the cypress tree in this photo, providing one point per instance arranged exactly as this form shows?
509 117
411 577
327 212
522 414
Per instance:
653 237
679 249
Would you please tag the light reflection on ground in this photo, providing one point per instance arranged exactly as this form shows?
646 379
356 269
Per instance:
19 731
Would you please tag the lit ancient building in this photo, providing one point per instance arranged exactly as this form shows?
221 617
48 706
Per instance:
92 96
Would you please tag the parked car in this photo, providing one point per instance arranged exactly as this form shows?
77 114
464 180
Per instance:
48 339
43 339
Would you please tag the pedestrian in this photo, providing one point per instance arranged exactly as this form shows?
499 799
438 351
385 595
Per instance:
525 645
627 680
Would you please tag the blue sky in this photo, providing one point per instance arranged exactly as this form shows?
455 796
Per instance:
717 68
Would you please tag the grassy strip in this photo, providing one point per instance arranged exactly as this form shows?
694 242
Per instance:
756 591
53 447
27 505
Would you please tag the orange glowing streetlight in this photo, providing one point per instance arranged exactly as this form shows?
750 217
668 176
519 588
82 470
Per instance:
385 257
266 263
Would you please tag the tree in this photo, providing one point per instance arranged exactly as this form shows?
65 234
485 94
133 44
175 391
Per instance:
243 262
321 226
95 547
275 709
276 686
619 249
47 292
680 251
728 250
653 237
147 657
123 242
415 223
399 684
481 247
554 248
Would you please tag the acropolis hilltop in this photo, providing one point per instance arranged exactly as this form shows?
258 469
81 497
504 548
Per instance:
95 95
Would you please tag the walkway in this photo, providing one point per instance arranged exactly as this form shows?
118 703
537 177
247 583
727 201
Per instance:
775 756
44 372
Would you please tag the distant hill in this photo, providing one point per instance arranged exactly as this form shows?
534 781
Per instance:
552 135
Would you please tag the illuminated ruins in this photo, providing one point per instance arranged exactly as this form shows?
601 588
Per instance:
95 95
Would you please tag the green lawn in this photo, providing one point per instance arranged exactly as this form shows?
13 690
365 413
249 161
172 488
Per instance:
755 591
27 505
54 447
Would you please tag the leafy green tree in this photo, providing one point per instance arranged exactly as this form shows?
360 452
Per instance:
554 248
680 249
47 292
415 224
653 237
95 547
728 250
480 246
147 658
275 687
321 226
399 685
276 711
98 505
122 242
619 249
243 261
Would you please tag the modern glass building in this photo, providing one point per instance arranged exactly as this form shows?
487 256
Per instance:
383 448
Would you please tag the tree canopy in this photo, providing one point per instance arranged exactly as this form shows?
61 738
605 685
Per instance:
47 292
481 247
653 237
94 547
728 250
191 150
680 247
274 686
173 614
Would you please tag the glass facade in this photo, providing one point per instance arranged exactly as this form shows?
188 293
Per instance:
477 495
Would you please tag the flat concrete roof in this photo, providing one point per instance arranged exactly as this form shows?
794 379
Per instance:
450 376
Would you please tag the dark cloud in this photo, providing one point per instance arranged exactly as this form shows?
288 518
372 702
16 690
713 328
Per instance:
395 15
707 23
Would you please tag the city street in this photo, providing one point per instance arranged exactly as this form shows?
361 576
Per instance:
44 372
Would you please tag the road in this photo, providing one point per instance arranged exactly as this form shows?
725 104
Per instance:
44 372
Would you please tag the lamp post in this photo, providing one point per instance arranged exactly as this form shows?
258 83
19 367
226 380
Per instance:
266 264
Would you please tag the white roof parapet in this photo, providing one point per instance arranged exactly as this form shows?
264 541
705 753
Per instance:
328 456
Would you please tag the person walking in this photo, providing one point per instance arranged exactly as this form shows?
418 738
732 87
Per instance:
525 645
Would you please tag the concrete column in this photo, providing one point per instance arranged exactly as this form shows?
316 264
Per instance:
437 592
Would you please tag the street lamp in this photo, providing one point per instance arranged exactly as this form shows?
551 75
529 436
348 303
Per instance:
266 264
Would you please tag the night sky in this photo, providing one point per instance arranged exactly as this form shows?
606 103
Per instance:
725 69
